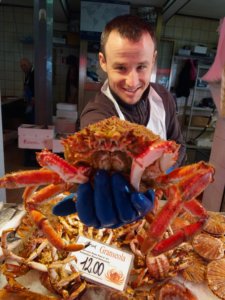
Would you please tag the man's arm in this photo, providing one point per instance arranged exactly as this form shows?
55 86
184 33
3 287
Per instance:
172 124
174 130
97 109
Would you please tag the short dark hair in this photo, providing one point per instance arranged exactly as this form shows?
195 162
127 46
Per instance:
128 26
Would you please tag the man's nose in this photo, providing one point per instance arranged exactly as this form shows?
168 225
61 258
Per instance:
132 78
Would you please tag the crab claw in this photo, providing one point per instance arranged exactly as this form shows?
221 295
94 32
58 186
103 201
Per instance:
166 152
67 172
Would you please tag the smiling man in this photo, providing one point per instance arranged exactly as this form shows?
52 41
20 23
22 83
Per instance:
127 56
128 53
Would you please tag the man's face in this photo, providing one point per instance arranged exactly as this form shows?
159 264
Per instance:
128 65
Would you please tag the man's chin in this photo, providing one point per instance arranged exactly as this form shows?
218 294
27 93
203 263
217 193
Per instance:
130 100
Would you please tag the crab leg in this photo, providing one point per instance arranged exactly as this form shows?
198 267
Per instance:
42 222
195 208
182 173
56 170
9 254
179 237
184 234
186 189
43 195
65 170
26 178
162 220
52 236
167 153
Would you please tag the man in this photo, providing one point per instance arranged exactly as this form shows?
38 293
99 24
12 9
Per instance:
128 54
28 90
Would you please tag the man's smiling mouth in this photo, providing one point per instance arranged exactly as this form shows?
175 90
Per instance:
131 91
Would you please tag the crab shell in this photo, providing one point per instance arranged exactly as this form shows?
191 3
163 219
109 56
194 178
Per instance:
175 290
118 145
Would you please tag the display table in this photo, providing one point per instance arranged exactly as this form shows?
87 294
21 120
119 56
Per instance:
31 279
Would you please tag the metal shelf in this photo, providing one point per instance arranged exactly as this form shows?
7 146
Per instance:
201 88
201 128
205 59
201 110
194 111
195 147
189 112
206 109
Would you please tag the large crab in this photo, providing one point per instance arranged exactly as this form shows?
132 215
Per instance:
135 151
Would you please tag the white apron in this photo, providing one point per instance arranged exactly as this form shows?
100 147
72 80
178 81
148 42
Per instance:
156 122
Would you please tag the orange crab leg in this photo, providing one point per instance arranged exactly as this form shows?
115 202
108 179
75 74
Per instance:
65 170
182 173
179 237
44 225
188 188
196 209
28 191
43 195
162 220
166 152
26 178
42 222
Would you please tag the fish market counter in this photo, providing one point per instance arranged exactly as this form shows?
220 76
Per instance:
10 217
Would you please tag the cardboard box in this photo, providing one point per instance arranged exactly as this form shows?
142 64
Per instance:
199 121
66 114
64 125
66 106
35 137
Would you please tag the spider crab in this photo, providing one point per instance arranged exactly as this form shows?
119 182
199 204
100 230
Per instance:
118 145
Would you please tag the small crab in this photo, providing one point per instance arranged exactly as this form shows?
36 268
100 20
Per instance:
115 276
116 145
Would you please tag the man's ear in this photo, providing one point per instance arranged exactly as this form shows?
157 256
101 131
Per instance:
154 56
102 61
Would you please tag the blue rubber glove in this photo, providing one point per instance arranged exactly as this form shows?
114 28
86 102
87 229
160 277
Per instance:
111 203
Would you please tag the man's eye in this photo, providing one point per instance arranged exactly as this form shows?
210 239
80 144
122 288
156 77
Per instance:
121 68
142 67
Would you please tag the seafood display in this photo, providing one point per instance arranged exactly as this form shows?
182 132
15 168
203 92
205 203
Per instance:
148 276
166 243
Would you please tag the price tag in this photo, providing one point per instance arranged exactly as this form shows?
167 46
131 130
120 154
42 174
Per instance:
103 264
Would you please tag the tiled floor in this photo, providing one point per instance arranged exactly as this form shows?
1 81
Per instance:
14 158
